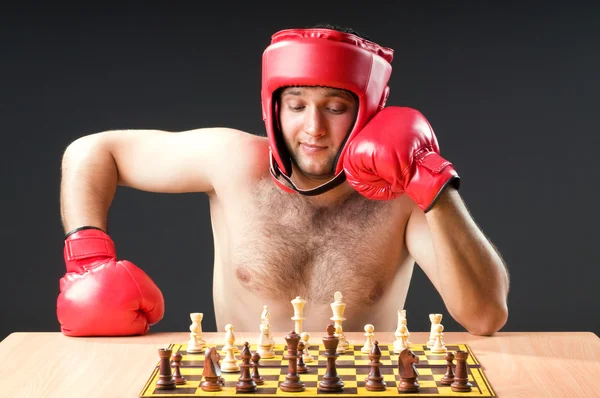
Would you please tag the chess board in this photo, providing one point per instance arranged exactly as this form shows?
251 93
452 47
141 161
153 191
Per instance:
352 367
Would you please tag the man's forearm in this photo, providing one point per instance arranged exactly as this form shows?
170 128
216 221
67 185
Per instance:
473 278
88 184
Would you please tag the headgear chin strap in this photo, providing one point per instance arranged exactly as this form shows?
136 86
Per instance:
321 57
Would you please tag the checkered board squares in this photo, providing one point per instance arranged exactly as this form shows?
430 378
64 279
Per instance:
353 374
353 357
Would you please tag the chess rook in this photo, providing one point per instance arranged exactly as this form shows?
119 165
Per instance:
461 375
435 320
165 377
196 343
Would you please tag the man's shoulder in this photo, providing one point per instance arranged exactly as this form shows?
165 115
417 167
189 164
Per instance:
242 156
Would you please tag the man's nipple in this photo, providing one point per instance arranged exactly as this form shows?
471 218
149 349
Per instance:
243 275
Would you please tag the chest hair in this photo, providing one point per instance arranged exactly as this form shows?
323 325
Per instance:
291 247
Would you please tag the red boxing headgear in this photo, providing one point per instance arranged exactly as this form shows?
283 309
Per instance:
322 57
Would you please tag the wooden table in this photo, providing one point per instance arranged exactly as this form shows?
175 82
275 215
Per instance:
37 365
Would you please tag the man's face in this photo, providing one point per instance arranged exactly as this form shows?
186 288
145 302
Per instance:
314 122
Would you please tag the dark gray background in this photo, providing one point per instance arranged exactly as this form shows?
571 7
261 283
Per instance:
511 91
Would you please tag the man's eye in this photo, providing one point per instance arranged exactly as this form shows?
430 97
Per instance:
296 108
336 110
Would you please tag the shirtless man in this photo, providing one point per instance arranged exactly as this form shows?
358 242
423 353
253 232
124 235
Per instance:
343 194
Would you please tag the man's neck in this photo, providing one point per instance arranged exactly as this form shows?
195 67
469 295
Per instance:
332 196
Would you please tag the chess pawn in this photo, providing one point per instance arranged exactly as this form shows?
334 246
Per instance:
401 339
306 354
449 375
343 345
176 365
438 346
230 364
196 343
435 319
369 341
301 366
258 379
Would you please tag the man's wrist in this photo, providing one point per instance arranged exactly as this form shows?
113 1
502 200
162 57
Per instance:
448 199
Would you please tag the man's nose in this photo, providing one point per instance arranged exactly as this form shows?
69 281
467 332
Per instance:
313 122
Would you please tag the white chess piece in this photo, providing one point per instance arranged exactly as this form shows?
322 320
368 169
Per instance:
266 318
369 329
196 343
338 308
435 320
439 347
401 341
306 354
230 364
298 317
341 348
229 339
265 348
402 320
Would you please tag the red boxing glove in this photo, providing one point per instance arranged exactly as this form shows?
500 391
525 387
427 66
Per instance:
397 152
100 296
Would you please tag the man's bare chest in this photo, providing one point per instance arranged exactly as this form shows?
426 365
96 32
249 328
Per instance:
286 247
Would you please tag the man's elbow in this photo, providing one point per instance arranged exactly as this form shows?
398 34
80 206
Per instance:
490 320
486 321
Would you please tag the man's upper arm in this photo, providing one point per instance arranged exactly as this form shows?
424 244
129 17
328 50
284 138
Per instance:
167 162
420 246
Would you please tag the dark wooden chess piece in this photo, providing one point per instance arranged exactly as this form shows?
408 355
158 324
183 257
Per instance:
245 382
461 376
449 375
211 371
176 365
165 377
331 382
302 368
374 382
292 381
408 372
255 375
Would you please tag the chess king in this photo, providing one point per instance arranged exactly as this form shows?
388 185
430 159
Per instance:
387 153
